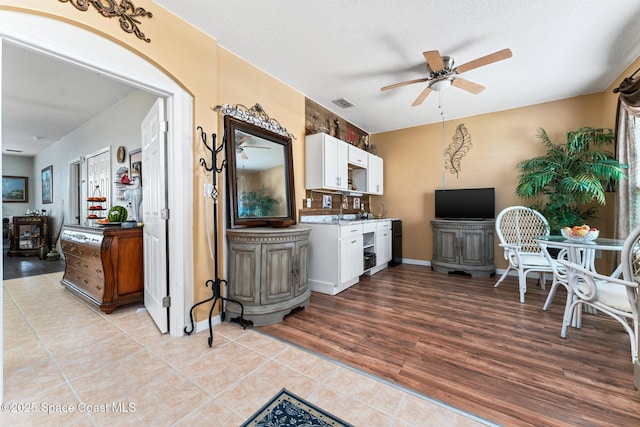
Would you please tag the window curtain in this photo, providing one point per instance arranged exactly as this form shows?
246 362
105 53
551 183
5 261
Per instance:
628 151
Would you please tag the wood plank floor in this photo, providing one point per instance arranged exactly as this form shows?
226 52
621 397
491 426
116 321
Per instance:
461 341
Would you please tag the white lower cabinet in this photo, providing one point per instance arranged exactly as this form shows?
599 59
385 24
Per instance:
335 257
337 253
382 246
351 261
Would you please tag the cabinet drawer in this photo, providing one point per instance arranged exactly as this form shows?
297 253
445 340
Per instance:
369 227
351 230
358 157
88 251
90 284
88 265
383 225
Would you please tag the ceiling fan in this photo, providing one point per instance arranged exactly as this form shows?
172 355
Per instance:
240 147
443 74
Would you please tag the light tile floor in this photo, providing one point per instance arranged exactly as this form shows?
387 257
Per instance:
66 363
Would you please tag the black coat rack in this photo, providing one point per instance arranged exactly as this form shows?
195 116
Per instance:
216 284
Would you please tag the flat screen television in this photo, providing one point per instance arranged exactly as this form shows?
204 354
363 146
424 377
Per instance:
465 203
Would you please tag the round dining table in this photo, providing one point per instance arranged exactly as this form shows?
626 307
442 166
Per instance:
580 252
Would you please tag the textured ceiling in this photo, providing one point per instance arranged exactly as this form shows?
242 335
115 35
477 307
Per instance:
329 49
45 98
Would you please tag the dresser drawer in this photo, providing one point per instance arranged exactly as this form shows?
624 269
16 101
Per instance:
91 266
88 283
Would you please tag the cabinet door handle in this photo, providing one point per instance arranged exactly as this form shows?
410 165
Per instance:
294 269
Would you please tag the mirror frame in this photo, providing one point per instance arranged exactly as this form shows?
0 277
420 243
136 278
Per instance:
231 124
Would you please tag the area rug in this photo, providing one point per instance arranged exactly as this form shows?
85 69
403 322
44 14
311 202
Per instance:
286 409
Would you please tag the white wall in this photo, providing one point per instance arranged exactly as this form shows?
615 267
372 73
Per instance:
117 125
19 166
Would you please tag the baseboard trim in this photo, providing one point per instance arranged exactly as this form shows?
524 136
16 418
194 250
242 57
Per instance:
203 325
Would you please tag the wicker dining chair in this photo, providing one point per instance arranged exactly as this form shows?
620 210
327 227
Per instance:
610 295
517 227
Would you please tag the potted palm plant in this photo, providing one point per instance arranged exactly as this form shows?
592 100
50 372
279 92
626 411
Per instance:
571 179
256 203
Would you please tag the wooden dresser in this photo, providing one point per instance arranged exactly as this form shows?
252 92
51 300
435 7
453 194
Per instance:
104 265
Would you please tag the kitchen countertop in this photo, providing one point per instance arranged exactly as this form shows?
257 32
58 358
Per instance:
347 219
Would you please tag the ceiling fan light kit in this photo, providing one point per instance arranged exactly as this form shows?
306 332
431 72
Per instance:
442 84
442 73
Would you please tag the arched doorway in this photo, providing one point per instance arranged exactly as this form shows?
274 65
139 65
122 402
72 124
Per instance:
89 50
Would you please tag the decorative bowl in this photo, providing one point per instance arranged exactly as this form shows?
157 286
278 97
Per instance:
591 235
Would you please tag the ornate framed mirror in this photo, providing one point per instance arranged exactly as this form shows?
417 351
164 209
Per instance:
259 175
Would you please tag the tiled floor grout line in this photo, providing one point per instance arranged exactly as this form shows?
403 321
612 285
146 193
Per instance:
52 358
128 326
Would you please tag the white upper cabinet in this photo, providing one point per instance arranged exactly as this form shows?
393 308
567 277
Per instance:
375 175
326 162
358 157
369 180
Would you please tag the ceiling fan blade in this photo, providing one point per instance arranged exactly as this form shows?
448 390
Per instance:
244 155
485 60
421 97
434 60
464 84
410 82
242 140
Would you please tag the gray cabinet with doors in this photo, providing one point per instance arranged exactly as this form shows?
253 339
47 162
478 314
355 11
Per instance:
267 272
465 246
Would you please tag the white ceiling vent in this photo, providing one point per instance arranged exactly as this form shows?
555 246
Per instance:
343 102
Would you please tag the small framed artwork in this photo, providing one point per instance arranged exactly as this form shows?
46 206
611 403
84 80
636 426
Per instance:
326 201
47 184
120 154
135 164
15 189
356 203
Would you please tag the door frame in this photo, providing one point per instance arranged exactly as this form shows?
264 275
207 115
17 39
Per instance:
75 191
86 49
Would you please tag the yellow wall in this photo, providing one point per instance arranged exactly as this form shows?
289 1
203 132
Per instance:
413 161
412 156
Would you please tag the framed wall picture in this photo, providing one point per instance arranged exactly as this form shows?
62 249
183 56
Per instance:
15 189
135 164
47 184
326 201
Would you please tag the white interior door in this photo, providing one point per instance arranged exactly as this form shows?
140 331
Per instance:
154 214
98 180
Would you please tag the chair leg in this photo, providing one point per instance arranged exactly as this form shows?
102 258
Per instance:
569 311
506 272
552 293
542 280
634 340
522 284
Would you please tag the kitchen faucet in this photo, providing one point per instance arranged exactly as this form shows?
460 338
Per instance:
342 200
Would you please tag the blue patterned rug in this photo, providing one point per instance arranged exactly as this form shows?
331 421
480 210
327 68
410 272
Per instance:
286 409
